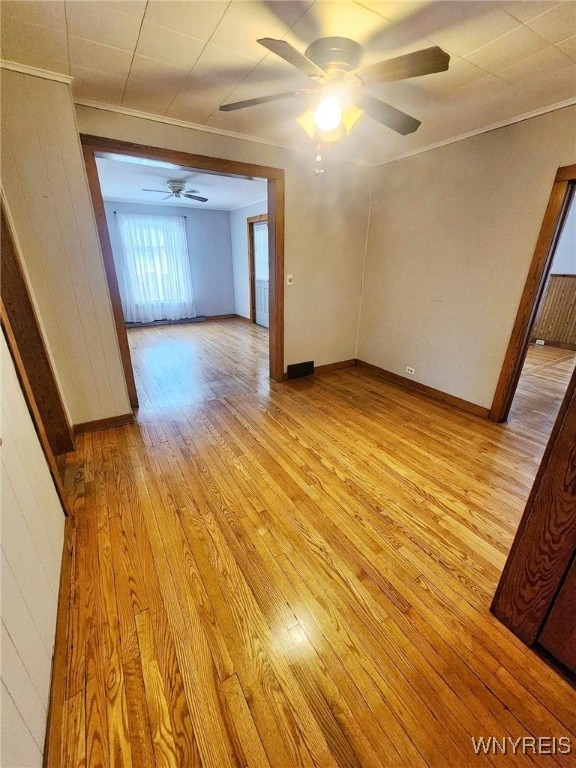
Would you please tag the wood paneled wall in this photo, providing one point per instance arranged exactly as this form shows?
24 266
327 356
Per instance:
556 322
32 540
44 183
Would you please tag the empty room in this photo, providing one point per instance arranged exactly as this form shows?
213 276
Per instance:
288 431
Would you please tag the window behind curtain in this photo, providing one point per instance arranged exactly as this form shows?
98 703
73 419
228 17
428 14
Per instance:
154 268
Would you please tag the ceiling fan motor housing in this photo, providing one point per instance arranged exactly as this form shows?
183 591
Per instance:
339 53
176 186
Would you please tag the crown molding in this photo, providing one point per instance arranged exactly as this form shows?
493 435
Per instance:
46 74
204 128
180 123
258 140
485 129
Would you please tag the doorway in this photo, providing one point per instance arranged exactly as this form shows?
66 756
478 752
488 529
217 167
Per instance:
97 147
547 308
259 266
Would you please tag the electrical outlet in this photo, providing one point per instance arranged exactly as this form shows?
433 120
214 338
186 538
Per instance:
410 370
540 342
289 279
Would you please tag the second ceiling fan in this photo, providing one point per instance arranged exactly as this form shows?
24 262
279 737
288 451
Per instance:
337 88
177 188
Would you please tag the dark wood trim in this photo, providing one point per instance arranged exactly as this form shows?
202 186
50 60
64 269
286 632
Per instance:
276 213
109 423
436 394
20 315
335 366
532 295
93 145
110 270
562 274
566 173
546 538
250 221
185 160
53 739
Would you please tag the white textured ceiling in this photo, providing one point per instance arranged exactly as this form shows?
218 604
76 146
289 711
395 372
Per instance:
183 59
125 179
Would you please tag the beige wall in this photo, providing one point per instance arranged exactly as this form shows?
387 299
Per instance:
32 539
45 186
452 234
326 221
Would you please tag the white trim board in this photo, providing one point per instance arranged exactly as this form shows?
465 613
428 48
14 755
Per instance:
59 77
180 123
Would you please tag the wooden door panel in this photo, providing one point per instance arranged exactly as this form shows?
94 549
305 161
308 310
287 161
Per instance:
558 636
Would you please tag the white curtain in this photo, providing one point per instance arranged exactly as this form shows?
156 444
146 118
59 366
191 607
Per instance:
153 268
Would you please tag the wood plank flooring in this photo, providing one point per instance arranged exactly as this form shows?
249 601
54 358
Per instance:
542 387
295 574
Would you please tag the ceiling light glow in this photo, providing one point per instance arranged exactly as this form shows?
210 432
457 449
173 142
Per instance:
328 114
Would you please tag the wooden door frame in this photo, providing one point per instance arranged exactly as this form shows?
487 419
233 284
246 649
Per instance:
250 221
533 293
545 542
28 349
96 145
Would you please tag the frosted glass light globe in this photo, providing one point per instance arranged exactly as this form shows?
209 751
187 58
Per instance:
328 114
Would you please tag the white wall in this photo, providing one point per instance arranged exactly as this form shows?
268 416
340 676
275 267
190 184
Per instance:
239 235
44 182
210 252
452 234
32 540
326 220
564 262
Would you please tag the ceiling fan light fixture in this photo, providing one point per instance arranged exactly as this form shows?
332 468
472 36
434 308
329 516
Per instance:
328 114
306 120
351 116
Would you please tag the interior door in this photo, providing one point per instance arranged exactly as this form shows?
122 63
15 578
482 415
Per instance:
558 635
261 272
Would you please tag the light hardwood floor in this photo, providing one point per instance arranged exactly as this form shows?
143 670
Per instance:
295 574
541 388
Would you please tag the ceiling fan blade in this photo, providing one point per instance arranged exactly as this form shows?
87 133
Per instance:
423 62
162 191
292 56
167 196
195 197
259 100
387 115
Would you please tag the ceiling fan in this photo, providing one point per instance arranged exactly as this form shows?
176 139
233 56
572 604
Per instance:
178 190
337 89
